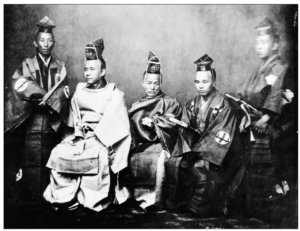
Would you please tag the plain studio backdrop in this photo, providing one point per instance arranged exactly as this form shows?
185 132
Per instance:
177 34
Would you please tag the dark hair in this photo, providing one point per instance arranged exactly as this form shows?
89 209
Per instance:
161 76
103 63
213 74
275 37
273 31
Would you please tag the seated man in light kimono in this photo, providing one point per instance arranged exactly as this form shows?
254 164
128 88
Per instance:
84 167
153 139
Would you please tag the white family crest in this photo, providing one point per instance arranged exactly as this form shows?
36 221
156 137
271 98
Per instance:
21 84
222 138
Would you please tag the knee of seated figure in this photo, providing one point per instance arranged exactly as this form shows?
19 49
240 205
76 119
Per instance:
162 159
161 163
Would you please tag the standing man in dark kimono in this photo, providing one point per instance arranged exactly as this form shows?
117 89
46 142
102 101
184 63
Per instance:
154 137
201 170
265 91
35 113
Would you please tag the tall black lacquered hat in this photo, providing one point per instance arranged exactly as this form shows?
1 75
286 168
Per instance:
265 27
153 65
45 25
204 63
94 50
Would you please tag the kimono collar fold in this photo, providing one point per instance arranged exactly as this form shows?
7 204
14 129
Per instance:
266 65
159 95
214 99
46 63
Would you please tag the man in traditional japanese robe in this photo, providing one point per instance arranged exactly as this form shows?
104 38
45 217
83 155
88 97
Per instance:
36 110
201 171
153 139
264 91
85 166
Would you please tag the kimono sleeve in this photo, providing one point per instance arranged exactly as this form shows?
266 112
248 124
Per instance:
217 140
166 131
22 85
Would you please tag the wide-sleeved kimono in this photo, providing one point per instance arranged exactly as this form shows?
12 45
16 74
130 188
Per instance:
31 132
267 99
153 146
202 161
251 92
87 170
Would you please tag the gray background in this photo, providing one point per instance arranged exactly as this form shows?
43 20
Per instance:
177 34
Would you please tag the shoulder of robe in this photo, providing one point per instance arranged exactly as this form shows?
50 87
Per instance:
115 89
220 98
278 67
28 60
136 102
19 71
190 105
60 64
171 99
80 85
191 102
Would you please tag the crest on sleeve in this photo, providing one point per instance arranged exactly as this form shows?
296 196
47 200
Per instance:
217 110
271 79
21 84
192 106
67 92
222 138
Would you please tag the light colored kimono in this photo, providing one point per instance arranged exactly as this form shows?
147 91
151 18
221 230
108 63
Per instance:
82 169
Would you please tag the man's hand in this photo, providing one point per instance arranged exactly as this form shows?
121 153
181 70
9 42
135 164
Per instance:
261 125
243 124
19 175
261 129
148 122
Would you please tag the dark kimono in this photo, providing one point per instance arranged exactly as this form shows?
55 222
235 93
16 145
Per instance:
152 145
260 159
37 128
251 91
202 163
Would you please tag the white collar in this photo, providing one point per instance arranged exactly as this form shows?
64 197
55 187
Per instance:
203 102
48 61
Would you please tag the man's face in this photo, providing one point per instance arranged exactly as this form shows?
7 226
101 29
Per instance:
204 82
151 84
264 46
92 71
44 43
